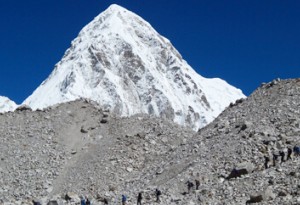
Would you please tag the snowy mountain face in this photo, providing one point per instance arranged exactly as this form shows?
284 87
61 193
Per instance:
7 105
121 62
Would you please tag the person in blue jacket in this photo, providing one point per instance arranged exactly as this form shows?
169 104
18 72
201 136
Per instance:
124 199
82 202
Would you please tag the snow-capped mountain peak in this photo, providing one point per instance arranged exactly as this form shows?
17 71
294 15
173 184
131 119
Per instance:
6 104
121 62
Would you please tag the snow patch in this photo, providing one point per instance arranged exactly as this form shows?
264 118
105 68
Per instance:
7 105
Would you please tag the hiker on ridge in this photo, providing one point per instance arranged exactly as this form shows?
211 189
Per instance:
124 199
289 153
267 159
190 185
82 201
275 156
157 193
139 199
87 201
197 184
282 154
36 202
296 150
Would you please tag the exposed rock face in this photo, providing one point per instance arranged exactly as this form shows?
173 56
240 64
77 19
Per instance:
45 154
6 104
121 62
23 108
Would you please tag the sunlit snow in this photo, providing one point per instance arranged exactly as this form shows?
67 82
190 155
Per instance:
6 104
121 62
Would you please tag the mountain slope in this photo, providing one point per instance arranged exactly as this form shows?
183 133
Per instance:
6 104
121 62
70 148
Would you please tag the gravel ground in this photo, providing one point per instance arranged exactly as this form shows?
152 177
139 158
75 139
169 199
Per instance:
77 148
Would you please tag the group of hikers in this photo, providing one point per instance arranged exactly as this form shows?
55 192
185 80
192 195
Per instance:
158 193
85 201
284 154
124 199
235 173
140 197
190 185
281 154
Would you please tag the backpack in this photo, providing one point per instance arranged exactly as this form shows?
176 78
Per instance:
158 192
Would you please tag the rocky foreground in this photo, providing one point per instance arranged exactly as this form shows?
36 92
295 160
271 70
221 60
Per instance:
77 148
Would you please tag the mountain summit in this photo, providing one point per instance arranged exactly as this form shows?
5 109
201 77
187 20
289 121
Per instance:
121 62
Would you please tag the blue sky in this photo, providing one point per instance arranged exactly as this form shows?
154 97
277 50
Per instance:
245 42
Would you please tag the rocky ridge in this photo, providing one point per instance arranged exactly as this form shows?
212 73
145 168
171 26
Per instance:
78 147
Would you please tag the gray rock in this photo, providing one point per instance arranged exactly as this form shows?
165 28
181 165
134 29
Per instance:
157 152
23 108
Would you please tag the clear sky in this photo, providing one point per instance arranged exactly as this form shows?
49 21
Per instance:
245 42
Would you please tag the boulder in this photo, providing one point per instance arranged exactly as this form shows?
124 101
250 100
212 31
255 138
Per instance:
52 202
83 130
241 169
282 193
269 194
103 121
70 196
255 199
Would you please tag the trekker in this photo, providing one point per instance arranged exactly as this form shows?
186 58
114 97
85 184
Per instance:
197 184
157 193
190 185
124 199
289 154
67 197
82 201
266 162
105 201
87 201
282 154
275 156
297 150
36 202
139 199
